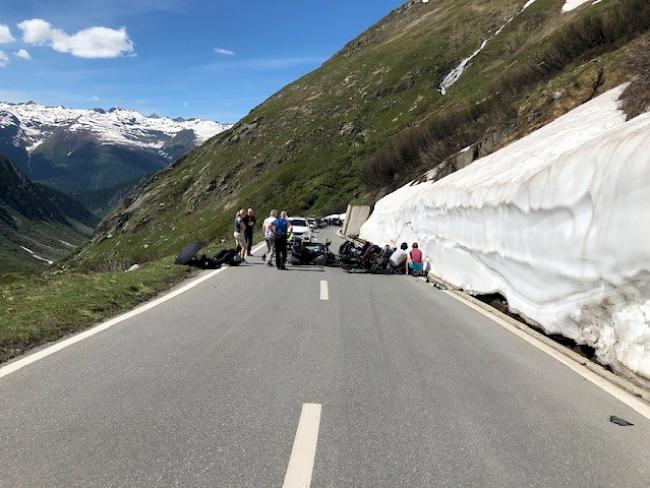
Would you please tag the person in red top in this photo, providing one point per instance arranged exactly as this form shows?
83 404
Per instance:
415 259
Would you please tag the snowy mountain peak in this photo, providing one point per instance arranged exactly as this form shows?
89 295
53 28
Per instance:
117 126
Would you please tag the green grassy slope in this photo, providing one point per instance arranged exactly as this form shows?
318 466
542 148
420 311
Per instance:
303 148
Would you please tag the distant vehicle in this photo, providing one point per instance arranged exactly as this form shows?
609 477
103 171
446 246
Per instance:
312 223
301 229
334 221
321 223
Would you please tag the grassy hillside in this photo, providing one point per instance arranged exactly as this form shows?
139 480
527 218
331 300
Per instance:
372 116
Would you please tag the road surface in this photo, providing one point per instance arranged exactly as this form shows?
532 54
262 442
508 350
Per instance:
393 383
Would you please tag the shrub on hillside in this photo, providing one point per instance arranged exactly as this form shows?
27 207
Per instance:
636 98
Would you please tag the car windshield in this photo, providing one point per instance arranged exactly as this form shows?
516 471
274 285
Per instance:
298 222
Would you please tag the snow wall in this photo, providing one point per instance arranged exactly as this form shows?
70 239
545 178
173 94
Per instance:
558 222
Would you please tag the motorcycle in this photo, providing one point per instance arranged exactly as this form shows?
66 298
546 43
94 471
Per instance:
317 253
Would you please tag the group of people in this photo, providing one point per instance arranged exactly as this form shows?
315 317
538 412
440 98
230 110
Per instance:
402 261
276 229
395 260
245 221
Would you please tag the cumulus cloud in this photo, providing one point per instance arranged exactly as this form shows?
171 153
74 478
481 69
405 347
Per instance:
22 54
225 52
4 59
94 42
5 35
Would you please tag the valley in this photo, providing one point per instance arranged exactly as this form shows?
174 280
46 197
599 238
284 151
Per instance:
98 154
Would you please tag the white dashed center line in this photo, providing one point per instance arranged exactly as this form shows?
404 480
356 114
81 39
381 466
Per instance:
324 290
301 463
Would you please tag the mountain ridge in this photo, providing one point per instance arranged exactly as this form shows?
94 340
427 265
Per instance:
86 150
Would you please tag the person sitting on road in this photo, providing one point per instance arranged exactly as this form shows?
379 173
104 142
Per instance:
385 255
399 259
415 260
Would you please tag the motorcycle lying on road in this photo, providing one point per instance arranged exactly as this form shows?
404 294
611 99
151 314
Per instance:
311 253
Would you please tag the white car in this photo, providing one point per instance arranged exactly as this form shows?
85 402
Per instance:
301 229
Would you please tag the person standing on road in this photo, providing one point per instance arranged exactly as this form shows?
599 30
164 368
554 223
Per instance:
240 240
250 221
280 228
269 237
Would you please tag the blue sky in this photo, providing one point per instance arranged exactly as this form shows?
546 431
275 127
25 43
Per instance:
161 55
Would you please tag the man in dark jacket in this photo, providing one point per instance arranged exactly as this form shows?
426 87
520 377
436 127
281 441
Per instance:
249 220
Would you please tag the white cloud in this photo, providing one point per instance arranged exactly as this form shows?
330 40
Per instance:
5 35
226 52
22 54
96 98
94 42
4 59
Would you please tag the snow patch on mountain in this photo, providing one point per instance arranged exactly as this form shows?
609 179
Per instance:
454 75
555 222
36 256
573 4
116 126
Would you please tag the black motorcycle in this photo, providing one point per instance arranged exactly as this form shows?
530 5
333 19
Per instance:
311 253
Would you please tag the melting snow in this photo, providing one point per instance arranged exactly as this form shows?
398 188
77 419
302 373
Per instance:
573 4
554 222
67 244
455 74
36 256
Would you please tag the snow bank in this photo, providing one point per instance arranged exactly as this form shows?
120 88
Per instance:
557 222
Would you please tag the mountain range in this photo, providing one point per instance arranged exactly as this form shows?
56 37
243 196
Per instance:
96 155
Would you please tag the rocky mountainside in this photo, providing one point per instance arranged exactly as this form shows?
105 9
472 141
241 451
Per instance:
37 224
78 151
433 85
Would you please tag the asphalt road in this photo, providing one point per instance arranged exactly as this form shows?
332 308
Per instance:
415 389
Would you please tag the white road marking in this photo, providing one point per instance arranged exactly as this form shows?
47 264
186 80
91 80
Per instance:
324 290
301 463
614 390
32 358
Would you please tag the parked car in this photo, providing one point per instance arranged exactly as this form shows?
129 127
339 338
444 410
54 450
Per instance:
313 225
301 229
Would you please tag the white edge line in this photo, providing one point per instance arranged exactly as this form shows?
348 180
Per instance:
58 346
303 453
620 394
324 290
